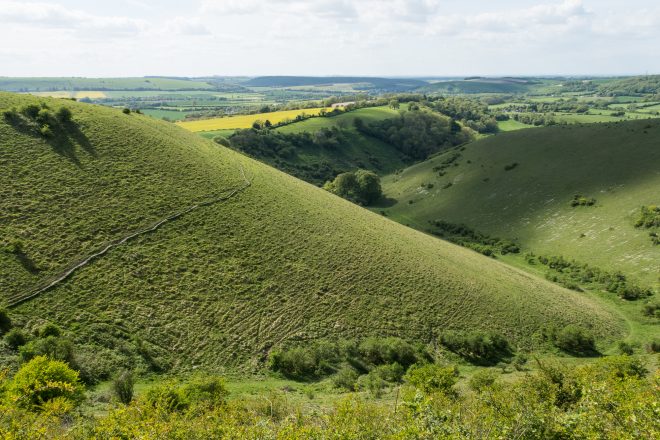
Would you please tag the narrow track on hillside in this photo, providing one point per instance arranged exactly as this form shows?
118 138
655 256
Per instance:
58 278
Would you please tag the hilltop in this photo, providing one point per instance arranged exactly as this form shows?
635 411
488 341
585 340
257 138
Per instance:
521 186
278 260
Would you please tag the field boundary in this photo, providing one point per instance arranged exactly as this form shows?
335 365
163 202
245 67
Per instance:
63 275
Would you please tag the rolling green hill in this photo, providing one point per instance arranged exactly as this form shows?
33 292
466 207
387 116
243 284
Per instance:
279 260
617 164
481 85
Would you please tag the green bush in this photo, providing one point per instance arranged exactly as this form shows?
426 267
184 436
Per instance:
31 110
361 186
576 340
15 338
5 322
10 114
625 348
42 380
63 114
54 347
44 116
386 351
432 378
346 378
126 111
122 387
482 379
477 347
50 329
373 383
46 131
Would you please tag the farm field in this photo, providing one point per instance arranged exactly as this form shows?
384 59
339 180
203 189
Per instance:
278 261
55 84
615 163
511 125
246 121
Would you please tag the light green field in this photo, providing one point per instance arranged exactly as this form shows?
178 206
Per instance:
511 125
369 114
174 115
616 163
279 261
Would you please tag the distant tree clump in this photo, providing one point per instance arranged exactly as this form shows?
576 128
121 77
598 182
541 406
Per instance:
580 200
477 347
361 186
648 217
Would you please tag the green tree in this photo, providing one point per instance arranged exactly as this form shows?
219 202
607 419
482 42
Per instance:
123 387
369 186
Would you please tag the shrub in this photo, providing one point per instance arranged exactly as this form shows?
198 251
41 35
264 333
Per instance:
63 114
221 140
575 340
207 391
390 373
44 116
652 309
52 346
431 378
10 114
580 200
50 329
294 363
625 348
653 346
31 110
45 131
346 378
5 322
477 347
372 383
482 380
386 351
126 111
42 380
15 338
122 387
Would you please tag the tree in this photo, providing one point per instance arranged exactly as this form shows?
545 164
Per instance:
267 124
123 387
42 380
394 104
369 186
576 340
63 114
5 322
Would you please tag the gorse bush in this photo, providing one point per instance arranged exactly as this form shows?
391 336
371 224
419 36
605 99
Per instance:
41 380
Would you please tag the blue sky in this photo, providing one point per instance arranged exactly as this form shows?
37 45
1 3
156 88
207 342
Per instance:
327 37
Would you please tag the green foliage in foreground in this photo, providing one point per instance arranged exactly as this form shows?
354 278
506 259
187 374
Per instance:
609 399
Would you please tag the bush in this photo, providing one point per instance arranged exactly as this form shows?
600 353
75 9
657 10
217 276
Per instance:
206 391
386 351
625 348
575 340
52 346
44 116
295 363
346 378
373 383
31 110
390 373
126 111
42 380
580 200
477 347
5 322
361 186
221 140
432 378
50 329
122 387
10 114
15 338
45 131
482 380
63 114
651 309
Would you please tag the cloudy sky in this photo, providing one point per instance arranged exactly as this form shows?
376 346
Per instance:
325 37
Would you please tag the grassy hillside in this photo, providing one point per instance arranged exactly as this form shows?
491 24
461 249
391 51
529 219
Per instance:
279 261
618 164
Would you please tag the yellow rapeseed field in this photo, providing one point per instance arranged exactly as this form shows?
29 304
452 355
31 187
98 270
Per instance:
246 121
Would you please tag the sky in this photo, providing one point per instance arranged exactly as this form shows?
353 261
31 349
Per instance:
329 37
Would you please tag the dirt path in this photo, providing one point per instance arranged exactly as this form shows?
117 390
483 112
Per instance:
58 278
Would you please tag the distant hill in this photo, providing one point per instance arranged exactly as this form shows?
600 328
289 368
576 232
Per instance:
520 185
480 85
393 84
276 261
55 84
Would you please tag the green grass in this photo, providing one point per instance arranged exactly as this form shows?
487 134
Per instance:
281 261
214 133
512 125
616 163
173 115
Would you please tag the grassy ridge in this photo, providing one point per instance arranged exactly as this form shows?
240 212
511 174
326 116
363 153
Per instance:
615 163
222 285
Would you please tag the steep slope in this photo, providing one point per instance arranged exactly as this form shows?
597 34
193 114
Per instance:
222 284
617 164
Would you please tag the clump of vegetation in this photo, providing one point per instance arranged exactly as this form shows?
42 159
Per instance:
42 380
480 348
122 387
571 274
16 338
649 217
432 378
417 134
580 200
465 236
126 111
576 340
510 166
5 322
361 186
